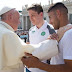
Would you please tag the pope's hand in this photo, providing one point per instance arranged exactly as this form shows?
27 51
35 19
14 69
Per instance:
53 36
30 61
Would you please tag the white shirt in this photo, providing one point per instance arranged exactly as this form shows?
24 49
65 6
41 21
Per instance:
35 34
35 37
65 49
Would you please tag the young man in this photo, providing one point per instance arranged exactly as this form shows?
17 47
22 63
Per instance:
40 31
58 15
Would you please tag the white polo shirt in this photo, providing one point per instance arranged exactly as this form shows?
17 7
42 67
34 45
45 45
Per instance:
65 49
36 36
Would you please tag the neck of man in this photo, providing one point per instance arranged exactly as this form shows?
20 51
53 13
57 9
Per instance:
64 22
40 24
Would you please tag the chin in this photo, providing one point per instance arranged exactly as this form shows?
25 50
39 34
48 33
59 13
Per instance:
33 24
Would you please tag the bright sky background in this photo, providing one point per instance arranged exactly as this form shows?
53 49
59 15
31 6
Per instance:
19 3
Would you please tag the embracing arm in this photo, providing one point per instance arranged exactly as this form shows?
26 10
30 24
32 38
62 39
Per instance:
46 49
14 49
34 62
67 67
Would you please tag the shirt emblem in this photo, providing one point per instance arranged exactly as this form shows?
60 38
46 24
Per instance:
33 31
43 33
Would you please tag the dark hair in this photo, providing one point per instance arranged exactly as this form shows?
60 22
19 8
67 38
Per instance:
36 7
59 6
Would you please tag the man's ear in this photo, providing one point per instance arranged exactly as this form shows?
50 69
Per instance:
58 13
41 13
10 16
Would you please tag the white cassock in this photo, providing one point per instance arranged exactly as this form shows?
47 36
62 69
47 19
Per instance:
12 48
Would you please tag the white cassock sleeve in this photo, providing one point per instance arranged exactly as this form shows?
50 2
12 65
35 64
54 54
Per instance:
14 48
46 49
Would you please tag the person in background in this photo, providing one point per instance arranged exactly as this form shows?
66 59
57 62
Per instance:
58 16
41 29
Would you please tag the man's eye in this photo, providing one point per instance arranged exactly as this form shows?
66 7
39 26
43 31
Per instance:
32 15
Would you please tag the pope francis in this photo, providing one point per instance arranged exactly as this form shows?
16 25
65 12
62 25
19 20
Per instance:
12 48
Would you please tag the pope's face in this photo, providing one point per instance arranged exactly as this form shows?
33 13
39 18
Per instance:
34 17
16 20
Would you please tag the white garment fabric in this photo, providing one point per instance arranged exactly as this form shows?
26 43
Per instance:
20 69
35 37
65 49
12 48
5 9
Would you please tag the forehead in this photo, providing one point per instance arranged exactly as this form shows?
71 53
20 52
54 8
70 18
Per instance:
32 12
51 13
16 13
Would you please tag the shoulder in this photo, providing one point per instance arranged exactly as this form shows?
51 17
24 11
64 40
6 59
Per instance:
6 31
68 33
66 41
51 25
67 37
